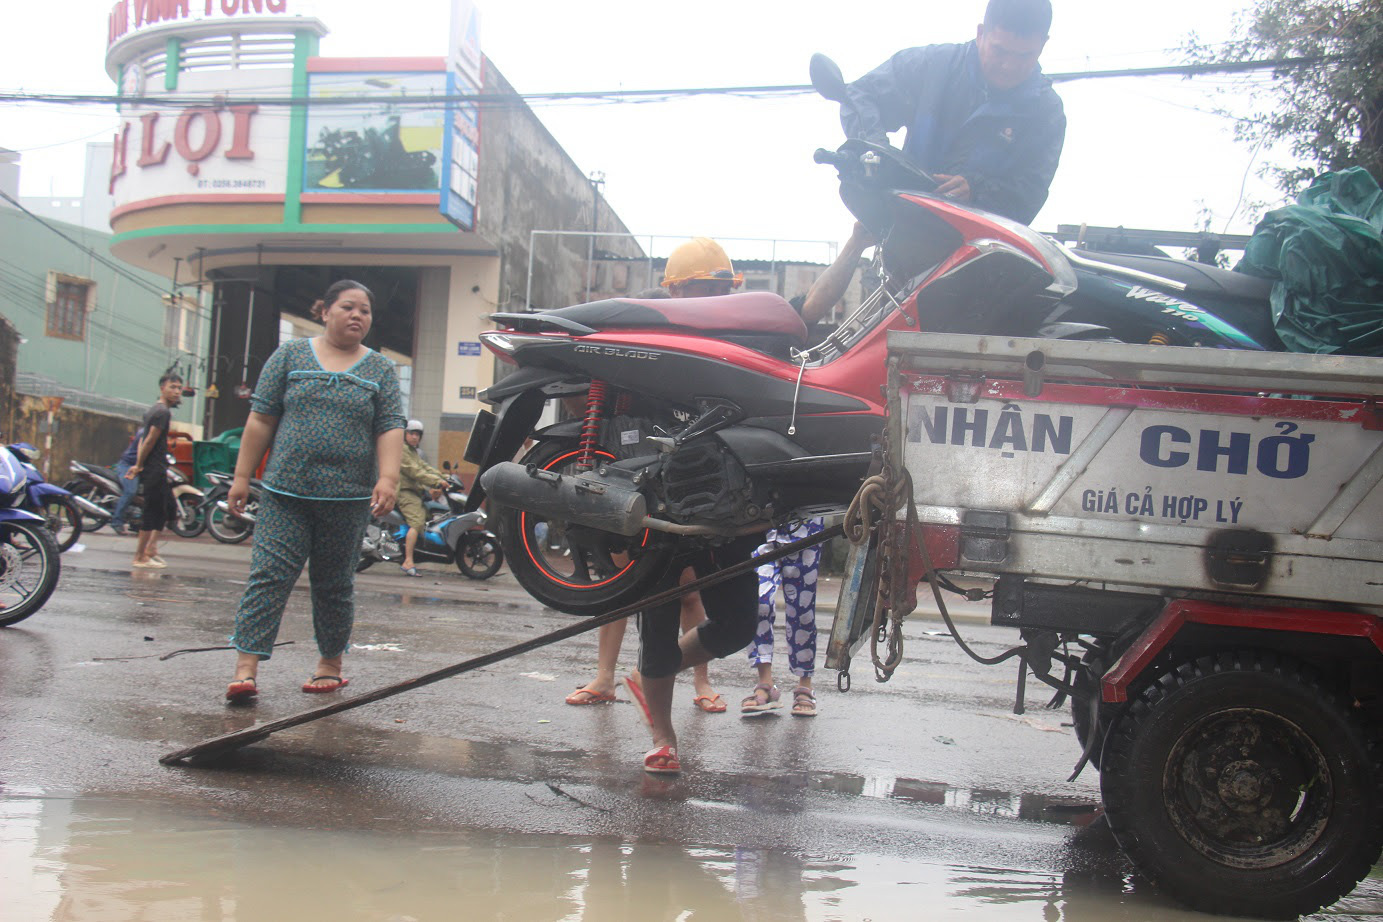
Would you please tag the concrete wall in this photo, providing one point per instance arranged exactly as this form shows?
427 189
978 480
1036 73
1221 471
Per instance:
77 434
528 182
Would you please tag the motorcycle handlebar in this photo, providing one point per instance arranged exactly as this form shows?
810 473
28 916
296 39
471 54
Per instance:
829 157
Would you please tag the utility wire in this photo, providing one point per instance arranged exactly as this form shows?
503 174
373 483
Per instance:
511 100
109 264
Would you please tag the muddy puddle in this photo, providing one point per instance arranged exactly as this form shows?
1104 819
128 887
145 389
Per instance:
90 859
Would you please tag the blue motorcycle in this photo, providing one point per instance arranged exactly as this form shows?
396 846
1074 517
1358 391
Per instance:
451 536
29 557
60 508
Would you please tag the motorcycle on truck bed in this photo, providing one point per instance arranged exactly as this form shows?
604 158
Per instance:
1190 542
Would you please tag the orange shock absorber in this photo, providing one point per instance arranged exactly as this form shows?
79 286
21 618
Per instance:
590 425
1159 339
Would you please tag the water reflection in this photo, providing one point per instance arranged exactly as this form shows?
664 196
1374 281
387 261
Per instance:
90 860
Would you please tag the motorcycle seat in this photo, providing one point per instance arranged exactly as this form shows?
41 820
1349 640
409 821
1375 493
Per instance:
753 318
102 471
1198 278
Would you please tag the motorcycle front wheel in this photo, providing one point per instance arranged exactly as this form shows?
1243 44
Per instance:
29 565
190 521
226 528
479 555
577 570
64 520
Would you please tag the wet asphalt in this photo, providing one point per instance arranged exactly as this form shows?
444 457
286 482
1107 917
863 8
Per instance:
932 766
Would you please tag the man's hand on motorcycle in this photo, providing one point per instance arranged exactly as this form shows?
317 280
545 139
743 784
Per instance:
382 499
956 187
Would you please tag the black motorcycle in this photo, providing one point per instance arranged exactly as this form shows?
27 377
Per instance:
101 486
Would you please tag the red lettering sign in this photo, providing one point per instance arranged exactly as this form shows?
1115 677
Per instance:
196 136
119 155
147 157
211 135
150 12
240 133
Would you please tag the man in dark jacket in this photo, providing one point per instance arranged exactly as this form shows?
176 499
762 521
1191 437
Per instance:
980 116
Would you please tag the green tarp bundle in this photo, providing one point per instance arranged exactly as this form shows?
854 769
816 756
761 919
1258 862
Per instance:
1325 256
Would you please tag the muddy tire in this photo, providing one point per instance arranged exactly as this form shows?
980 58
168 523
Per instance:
575 570
1242 784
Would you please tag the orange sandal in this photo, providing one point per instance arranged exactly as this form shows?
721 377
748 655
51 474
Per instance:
586 696
711 704
662 761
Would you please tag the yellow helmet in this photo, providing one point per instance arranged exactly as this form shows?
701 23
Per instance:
699 258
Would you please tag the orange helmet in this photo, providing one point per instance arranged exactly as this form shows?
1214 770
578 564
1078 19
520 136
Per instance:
700 258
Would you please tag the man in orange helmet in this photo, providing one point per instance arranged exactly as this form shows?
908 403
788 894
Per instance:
700 268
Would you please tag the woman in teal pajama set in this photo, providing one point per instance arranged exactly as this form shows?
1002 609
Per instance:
330 408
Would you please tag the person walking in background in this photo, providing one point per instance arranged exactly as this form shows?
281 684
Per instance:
151 470
699 268
331 410
416 478
796 574
128 485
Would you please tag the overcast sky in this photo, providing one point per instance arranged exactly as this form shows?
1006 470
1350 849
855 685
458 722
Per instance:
1139 152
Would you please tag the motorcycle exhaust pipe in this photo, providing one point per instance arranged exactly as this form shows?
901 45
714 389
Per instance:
575 498
87 507
225 507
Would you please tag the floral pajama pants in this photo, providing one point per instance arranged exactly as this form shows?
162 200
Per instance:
797 576
288 533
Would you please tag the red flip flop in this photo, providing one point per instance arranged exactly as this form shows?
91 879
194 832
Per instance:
241 690
662 761
635 688
322 689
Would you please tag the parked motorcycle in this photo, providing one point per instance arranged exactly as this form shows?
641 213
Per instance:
451 536
29 557
224 525
101 486
62 511
710 418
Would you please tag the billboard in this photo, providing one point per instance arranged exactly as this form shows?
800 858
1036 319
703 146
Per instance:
391 146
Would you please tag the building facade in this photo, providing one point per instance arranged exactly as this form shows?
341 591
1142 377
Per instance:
257 171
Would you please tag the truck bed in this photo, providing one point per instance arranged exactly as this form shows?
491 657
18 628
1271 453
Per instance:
1173 469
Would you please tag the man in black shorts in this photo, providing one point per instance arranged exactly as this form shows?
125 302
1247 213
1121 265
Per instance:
151 467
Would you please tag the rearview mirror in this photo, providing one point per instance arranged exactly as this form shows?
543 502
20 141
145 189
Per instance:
827 78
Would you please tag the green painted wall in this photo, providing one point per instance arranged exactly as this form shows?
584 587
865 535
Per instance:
123 353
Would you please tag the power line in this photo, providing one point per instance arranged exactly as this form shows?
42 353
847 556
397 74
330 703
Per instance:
511 100
109 264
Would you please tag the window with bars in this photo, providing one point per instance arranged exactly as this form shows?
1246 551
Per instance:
179 323
69 301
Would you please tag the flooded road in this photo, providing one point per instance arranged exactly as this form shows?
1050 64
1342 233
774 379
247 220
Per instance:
485 797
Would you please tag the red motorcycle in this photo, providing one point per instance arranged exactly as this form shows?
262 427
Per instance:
703 419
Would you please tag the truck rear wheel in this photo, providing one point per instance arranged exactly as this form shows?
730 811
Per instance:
1242 785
